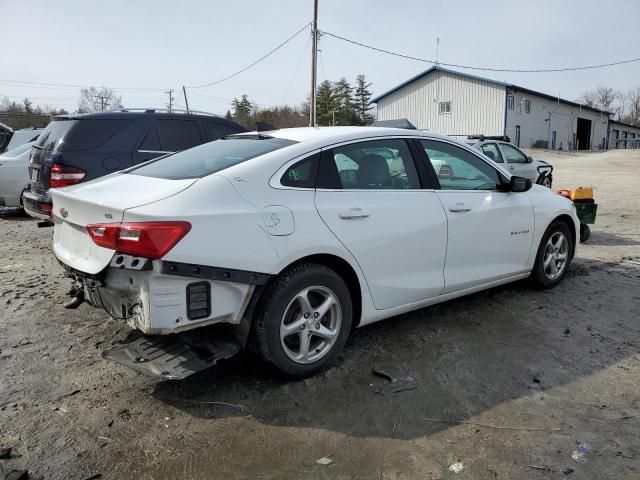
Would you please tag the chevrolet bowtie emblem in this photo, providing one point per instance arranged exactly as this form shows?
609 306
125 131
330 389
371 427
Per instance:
64 213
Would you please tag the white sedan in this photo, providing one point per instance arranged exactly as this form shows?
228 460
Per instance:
14 175
282 241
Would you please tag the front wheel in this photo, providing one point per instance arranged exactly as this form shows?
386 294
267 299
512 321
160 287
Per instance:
303 320
553 257
545 180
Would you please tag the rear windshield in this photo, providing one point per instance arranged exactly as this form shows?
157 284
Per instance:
74 135
209 158
54 134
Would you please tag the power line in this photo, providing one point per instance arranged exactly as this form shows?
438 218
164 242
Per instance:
488 69
68 85
254 63
295 74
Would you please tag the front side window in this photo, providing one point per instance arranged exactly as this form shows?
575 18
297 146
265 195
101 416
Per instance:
527 106
491 151
178 135
510 102
513 154
209 158
373 165
458 169
445 107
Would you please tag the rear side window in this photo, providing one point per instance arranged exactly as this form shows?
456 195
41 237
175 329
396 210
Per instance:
302 174
151 141
209 158
377 164
88 134
214 130
177 135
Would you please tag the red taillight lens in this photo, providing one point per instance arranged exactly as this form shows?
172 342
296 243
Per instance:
141 239
63 176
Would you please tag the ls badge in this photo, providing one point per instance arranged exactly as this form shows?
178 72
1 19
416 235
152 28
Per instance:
64 213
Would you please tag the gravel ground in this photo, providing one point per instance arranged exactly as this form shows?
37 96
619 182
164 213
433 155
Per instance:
510 381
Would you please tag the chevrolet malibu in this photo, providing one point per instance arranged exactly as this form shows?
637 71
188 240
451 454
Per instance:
284 241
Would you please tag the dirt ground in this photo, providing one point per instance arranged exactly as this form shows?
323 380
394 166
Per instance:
510 381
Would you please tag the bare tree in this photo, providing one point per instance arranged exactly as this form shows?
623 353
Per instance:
633 107
94 99
605 99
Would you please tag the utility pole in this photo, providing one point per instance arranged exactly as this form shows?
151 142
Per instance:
314 65
170 92
437 50
103 102
186 102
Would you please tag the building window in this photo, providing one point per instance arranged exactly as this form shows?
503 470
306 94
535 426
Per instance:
445 107
510 102
527 106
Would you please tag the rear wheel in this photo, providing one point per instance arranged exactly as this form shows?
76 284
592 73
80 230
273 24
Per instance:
303 321
553 257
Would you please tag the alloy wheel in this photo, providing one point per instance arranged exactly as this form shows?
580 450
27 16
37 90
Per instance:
311 324
556 254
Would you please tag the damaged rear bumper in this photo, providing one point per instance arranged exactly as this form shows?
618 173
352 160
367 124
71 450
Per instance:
172 357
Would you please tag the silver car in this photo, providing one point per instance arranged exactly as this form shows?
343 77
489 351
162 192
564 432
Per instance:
515 160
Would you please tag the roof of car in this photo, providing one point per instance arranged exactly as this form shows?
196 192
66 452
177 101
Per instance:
337 134
138 113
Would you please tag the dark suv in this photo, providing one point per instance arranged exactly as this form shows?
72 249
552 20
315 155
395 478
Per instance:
81 147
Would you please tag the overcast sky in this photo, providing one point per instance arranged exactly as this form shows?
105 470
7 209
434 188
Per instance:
166 44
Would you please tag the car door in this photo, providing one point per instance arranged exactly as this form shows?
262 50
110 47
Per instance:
518 163
489 231
370 196
492 151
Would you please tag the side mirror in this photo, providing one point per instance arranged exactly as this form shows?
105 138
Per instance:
519 184
530 159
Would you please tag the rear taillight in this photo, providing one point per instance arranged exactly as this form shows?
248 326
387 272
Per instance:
63 176
141 239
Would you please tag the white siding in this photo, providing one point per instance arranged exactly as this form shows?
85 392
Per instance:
534 126
477 106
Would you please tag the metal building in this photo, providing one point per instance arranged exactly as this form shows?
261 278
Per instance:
623 135
458 104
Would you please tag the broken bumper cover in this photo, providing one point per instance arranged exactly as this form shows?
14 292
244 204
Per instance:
171 357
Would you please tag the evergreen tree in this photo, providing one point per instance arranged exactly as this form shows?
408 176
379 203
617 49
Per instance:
228 115
244 111
361 99
345 108
28 105
325 103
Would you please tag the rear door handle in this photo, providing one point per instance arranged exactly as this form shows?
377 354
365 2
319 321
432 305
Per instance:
459 207
353 213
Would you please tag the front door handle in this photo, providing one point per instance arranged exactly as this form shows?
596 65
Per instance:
459 207
353 213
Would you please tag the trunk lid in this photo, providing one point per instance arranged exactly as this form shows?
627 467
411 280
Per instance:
101 201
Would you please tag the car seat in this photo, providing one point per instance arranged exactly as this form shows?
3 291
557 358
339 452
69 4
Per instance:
373 172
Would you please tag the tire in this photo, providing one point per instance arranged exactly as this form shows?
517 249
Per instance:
545 181
585 232
545 277
283 305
